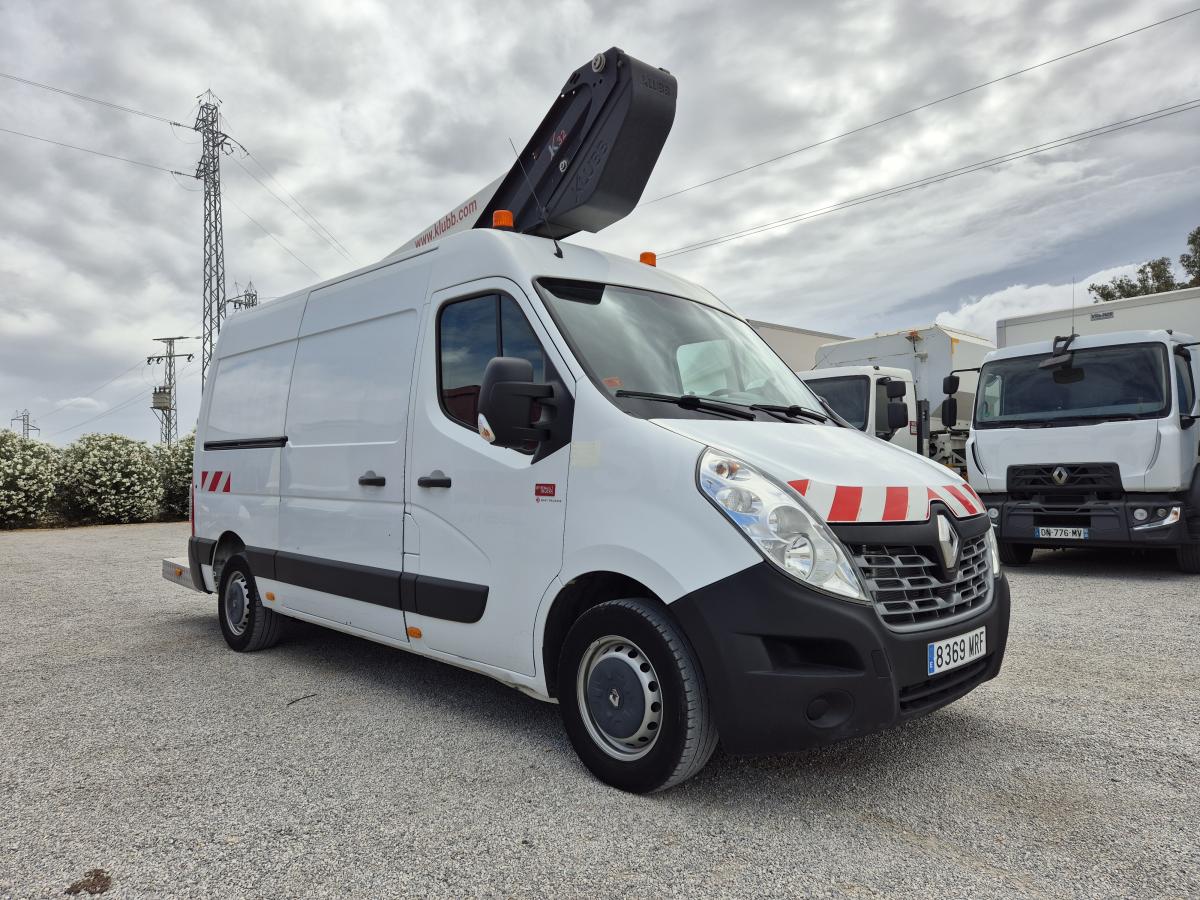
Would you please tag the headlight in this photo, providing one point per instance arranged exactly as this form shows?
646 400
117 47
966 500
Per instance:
779 524
993 551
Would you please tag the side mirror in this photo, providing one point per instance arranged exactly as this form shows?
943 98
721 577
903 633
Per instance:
897 415
950 385
896 390
950 410
506 400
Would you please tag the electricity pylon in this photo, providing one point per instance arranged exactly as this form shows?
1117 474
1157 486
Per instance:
213 142
164 398
22 416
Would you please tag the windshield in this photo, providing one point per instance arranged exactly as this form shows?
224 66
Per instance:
635 340
1127 382
847 394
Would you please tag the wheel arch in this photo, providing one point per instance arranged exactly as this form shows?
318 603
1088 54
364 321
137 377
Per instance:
229 544
575 598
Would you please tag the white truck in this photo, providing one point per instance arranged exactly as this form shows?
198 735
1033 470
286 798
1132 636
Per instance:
928 355
878 400
586 478
1084 434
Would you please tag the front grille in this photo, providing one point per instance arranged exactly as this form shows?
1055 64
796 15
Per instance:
912 593
1077 477
939 688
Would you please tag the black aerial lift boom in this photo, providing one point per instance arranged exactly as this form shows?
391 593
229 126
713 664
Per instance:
588 161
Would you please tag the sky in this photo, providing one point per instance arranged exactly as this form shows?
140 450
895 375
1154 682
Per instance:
380 116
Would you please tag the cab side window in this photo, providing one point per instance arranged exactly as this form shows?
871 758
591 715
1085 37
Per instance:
471 332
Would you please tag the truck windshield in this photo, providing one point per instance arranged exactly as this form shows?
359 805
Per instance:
1126 382
847 394
635 340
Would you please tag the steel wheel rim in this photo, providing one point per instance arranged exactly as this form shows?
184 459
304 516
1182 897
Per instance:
237 604
616 671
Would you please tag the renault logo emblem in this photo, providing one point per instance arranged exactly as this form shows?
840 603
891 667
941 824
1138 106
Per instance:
947 543
1060 475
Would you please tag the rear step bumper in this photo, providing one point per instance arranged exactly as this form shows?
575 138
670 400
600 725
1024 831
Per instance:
178 571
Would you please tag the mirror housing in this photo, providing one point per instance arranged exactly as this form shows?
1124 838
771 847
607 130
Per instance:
897 416
896 389
950 410
950 384
506 400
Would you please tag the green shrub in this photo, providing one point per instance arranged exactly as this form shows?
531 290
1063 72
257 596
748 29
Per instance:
109 478
175 472
27 476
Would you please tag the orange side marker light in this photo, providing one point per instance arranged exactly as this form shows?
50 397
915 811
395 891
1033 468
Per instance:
178 572
414 632
648 258
271 596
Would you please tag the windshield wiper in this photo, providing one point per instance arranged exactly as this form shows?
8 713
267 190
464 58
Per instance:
790 413
691 401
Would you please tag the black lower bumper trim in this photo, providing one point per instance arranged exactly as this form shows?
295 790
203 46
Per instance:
787 667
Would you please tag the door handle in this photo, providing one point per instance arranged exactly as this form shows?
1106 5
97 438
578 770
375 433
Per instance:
370 479
436 478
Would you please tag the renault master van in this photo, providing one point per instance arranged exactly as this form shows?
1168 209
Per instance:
592 481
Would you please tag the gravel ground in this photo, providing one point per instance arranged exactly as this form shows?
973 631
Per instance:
132 740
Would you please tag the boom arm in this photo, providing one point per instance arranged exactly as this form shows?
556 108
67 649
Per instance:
588 161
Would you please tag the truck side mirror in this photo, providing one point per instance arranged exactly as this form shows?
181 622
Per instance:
506 400
897 415
950 410
950 385
896 389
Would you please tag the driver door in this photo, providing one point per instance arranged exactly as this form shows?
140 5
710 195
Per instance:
488 536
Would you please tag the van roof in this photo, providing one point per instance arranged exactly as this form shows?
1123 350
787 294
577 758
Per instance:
483 253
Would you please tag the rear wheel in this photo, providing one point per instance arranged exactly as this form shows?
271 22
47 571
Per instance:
1188 556
1015 554
246 624
633 698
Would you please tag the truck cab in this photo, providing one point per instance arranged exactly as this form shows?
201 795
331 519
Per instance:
1090 441
876 400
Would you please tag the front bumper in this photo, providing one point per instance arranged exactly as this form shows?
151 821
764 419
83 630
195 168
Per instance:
1110 523
787 667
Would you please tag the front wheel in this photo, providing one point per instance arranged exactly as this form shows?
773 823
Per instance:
633 698
1188 557
1015 554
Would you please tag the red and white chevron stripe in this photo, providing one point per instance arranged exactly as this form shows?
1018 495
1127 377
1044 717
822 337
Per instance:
215 482
857 503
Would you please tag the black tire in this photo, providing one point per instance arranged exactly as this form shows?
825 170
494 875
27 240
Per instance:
1015 554
684 734
1188 556
246 624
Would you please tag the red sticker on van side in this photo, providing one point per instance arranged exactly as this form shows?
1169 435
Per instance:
543 490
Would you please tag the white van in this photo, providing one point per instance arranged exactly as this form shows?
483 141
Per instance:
592 481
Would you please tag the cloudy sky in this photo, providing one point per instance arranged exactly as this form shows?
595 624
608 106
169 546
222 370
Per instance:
379 116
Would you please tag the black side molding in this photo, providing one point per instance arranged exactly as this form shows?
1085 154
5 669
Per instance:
365 583
442 598
247 443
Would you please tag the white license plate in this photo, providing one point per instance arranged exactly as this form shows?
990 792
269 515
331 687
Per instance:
1062 534
957 651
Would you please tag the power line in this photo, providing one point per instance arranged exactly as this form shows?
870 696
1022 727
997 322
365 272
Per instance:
308 224
940 177
108 103
272 237
263 169
93 392
188 372
892 118
34 137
